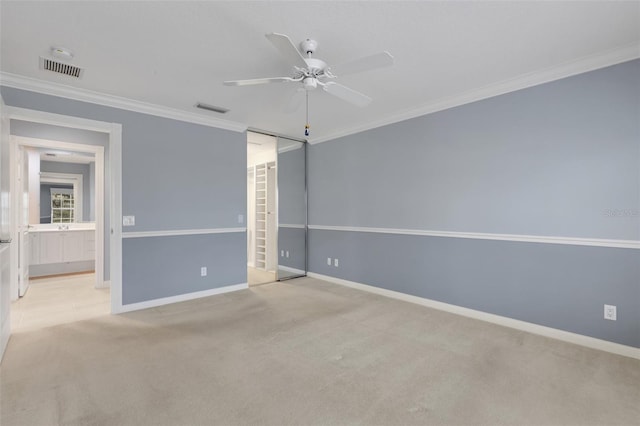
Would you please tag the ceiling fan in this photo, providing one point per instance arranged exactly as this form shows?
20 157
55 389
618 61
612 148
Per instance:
312 72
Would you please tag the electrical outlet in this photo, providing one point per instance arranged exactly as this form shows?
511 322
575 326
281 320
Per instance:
128 220
329 261
240 218
203 271
281 253
287 254
610 312
335 262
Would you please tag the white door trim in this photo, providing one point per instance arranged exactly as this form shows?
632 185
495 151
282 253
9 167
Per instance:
114 131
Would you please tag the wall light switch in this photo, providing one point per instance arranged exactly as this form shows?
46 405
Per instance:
240 218
203 271
329 261
128 220
610 312
335 262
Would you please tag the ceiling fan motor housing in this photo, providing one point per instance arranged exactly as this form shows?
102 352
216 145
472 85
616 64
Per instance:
308 46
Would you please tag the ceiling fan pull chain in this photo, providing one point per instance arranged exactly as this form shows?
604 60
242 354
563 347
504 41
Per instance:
306 126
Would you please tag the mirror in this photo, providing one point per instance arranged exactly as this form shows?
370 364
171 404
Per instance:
66 191
292 209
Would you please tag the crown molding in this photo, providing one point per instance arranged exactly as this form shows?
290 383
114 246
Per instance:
579 66
55 89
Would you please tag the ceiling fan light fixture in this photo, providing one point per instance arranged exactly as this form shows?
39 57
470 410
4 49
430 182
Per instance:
310 83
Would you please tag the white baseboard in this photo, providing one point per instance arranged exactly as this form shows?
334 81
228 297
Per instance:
5 335
180 298
578 339
293 270
103 284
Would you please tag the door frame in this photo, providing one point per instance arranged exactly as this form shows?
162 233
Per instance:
98 152
113 170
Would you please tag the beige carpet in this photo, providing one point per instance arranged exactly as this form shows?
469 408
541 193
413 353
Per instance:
305 352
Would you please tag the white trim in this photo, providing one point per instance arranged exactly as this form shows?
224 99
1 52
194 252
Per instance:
55 89
567 69
181 298
115 247
105 284
575 241
5 335
145 234
291 225
553 333
73 122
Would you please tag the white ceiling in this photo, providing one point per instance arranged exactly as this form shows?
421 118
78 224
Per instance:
176 54
47 154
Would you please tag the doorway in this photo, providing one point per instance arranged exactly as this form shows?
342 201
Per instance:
58 192
262 259
111 248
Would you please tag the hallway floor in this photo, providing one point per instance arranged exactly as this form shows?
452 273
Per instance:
59 300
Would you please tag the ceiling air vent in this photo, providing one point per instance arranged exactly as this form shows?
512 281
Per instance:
60 67
213 108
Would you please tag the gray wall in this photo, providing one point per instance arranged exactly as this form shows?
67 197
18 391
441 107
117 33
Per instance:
161 267
291 186
84 170
548 160
65 134
559 159
292 240
175 175
292 209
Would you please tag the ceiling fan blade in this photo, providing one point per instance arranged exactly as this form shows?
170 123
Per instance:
379 60
346 94
295 100
258 81
287 49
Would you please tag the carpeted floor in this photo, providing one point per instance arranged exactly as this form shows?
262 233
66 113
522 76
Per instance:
306 352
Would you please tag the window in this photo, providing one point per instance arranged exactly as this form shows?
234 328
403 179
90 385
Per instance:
62 205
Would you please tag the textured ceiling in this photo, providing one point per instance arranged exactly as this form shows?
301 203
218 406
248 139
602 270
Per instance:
176 54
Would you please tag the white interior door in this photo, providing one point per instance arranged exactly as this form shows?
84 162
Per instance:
5 232
272 235
23 225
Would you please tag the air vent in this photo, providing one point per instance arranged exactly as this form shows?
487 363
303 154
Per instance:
213 108
60 67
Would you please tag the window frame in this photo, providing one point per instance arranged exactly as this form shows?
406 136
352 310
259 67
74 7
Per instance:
76 180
